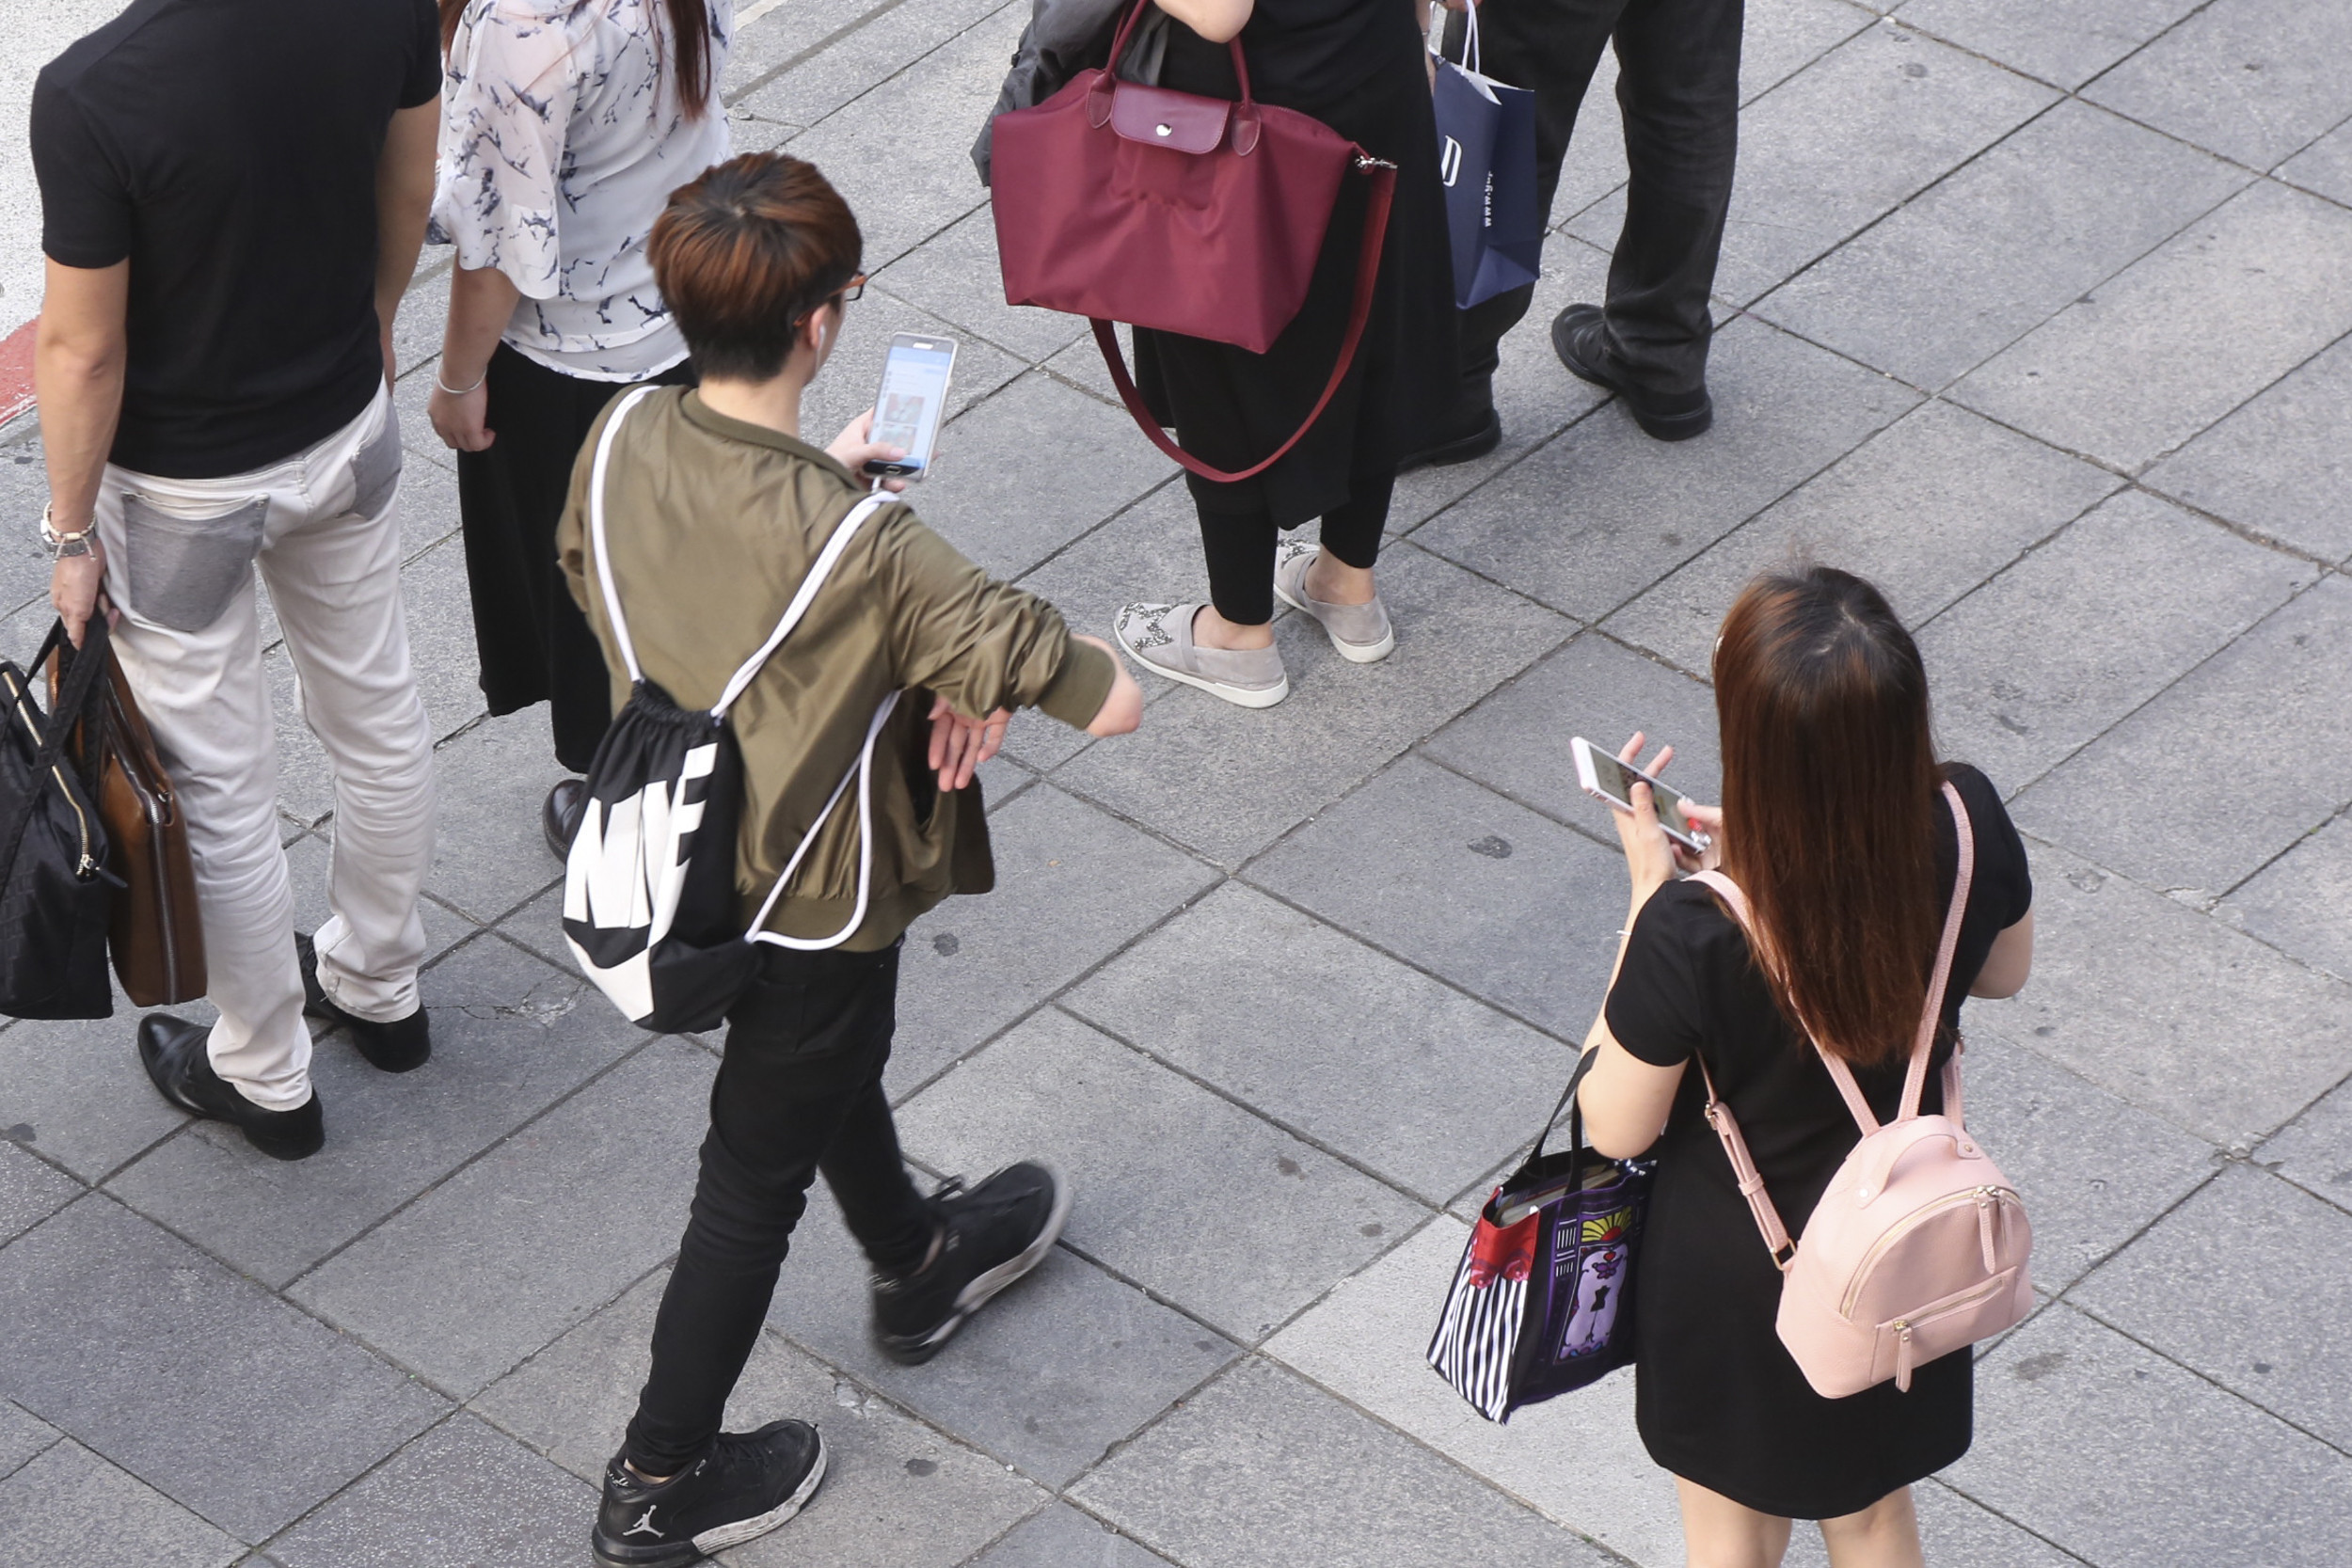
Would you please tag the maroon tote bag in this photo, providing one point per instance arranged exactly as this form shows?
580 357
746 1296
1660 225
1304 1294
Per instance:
1122 202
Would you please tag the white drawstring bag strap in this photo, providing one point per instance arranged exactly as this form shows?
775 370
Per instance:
595 532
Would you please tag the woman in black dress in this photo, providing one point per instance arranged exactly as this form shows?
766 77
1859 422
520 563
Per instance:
1834 826
1358 67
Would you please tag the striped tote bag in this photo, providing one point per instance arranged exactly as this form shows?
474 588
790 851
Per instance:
1541 1301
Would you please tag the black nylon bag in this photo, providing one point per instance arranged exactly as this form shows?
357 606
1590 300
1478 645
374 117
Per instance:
54 887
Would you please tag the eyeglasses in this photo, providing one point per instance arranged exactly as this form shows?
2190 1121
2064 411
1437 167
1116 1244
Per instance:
853 291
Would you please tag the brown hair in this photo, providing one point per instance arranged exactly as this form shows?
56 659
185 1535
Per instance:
744 253
1830 783
689 26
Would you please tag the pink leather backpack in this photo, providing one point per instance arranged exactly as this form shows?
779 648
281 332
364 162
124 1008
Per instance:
1919 1245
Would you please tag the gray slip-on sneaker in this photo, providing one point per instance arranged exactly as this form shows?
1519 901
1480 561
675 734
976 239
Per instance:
1360 632
1160 635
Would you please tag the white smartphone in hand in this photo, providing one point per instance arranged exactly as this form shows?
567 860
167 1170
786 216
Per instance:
912 403
1605 778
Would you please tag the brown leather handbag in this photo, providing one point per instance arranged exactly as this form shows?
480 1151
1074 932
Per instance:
154 933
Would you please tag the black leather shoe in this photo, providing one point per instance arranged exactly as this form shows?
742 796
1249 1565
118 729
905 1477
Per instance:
403 1045
1456 449
1581 342
172 1051
560 818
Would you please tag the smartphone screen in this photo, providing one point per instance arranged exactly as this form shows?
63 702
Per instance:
1615 780
913 397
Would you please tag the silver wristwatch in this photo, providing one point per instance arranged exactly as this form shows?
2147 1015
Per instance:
62 545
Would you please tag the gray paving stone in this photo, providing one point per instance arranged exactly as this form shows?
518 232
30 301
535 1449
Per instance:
1061 1537
2280 465
1457 879
71 1505
440 635
847 386
2315 1150
2277 1334
2183 334
1056 1372
1288 1464
1927 510
141 1347
461 1492
2302 901
1779 38
2113 611
1073 886
891 38
2056 1137
20 1439
428 507
30 1191
510 1036
488 852
994 501
1965 269
957 277
76 1092
1361 1038
1595 166
2171 1009
2325 167
764 47
531 1238
1457 636
1216 1210
898 153
2064 1399
2219 813
1920 106
2064 41
2254 80
1956 1534
305 781
1602 512
1517 740
1152 550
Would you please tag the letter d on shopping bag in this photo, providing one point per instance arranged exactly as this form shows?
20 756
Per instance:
1487 159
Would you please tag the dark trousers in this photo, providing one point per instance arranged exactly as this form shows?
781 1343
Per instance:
533 642
1678 89
1240 547
798 1091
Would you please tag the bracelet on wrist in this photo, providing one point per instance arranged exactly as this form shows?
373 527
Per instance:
459 391
63 547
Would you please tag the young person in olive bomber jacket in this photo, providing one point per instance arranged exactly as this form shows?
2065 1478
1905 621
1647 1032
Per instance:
715 510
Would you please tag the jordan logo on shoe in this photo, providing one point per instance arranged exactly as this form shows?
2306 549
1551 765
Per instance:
644 1525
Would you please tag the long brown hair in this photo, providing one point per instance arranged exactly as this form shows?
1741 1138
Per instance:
1830 784
690 27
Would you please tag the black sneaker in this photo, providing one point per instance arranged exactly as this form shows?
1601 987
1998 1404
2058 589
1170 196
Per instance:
1580 338
403 1045
172 1051
745 1486
990 1236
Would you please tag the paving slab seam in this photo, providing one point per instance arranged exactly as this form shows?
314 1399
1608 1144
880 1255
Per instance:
2309 833
2011 1521
2251 535
1071 544
42 1450
292 1525
839 34
1582 829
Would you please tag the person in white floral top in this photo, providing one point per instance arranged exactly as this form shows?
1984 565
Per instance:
566 124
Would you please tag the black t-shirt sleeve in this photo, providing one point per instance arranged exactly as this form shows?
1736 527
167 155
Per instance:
422 82
86 209
1653 1009
2004 881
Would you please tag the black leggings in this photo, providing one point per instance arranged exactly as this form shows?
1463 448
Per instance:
798 1091
1240 548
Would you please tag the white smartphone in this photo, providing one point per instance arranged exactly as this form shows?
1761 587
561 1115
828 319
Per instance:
912 403
1605 778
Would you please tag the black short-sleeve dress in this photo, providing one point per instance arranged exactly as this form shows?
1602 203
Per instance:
1718 1399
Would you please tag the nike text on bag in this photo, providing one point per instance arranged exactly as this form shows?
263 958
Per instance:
1919 1245
649 908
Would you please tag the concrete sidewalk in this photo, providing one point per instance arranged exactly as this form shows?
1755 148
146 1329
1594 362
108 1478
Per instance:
2036 312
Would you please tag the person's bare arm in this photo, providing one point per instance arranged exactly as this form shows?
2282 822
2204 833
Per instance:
2009 964
481 301
404 200
1218 21
77 376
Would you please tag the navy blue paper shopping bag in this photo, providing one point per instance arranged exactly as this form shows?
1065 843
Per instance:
1487 159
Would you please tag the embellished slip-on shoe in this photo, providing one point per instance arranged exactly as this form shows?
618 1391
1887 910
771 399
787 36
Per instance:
1360 632
1160 636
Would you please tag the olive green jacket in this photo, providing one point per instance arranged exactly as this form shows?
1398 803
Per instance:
714 523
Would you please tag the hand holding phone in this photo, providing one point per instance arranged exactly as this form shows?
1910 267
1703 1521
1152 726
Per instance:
1612 780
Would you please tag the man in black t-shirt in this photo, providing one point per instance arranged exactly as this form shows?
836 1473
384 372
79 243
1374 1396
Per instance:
232 198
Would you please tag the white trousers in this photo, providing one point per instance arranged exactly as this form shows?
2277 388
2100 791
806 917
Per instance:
323 527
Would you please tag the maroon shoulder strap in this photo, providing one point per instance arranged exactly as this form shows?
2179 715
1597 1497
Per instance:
1359 310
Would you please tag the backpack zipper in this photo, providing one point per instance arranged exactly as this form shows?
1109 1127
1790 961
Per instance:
1986 1200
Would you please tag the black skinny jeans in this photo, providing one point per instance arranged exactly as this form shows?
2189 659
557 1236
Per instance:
1240 548
1678 89
798 1091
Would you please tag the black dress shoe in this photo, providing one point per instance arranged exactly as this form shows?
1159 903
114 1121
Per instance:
403 1045
1581 342
1456 449
560 818
172 1051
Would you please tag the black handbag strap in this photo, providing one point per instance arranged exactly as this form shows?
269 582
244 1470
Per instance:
1567 1101
79 674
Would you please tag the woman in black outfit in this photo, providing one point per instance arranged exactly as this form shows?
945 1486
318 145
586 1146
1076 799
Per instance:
1358 67
1835 826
